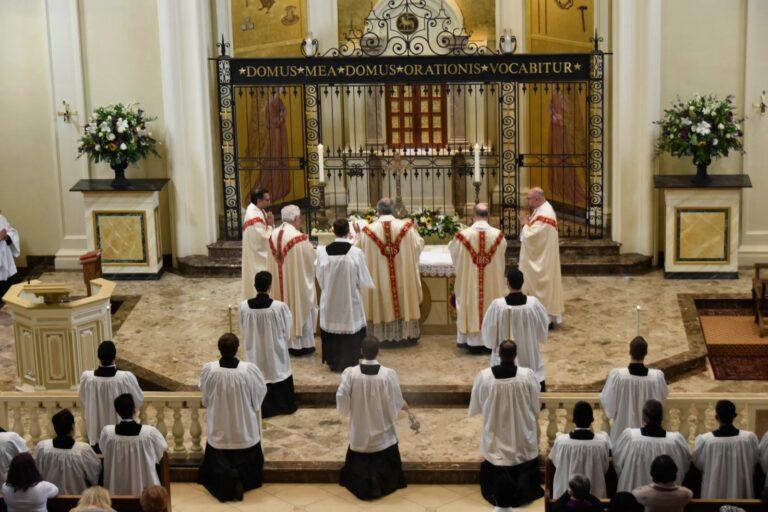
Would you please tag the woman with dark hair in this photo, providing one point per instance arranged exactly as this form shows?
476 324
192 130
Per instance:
24 489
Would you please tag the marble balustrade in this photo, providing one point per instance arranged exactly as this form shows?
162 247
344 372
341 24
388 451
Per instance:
181 418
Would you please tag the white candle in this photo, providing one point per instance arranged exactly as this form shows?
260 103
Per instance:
510 336
637 308
320 161
477 163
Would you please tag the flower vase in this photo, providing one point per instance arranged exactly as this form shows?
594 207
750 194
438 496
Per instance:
702 178
119 182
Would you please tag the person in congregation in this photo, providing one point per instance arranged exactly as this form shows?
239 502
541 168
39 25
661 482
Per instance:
665 494
369 395
726 457
10 248
131 451
624 502
529 326
478 254
627 389
100 387
11 444
292 261
508 398
540 255
392 248
341 274
232 391
266 327
69 465
636 448
25 490
95 499
155 498
581 451
257 226
578 497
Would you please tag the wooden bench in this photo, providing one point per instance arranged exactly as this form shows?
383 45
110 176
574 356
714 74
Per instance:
692 480
65 503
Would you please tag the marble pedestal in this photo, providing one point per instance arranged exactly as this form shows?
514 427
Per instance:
125 225
55 343
702 225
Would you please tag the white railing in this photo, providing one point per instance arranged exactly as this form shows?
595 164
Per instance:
180 417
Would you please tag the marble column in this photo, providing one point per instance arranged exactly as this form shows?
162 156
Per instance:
186 43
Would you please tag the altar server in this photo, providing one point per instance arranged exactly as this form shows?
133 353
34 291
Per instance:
257 227
9 249
636 448
726 457
627 389
341 274
369 394
266 327
292 263
100 387
392 248
581 452
478 254
529 326
11 444
540 255
232 392
69 465
131 450
508 398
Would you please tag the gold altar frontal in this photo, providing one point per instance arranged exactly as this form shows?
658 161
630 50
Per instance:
438 310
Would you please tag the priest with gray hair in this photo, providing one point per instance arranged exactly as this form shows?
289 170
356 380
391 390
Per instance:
291 262
392 248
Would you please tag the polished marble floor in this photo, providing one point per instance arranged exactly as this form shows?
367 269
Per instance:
173 328
334 498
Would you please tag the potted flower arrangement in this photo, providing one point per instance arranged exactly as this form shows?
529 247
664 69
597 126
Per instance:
434 226
117 134
704 127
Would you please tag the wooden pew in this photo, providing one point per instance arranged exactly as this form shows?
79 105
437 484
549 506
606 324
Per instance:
692 480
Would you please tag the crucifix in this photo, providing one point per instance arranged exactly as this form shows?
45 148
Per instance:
397 168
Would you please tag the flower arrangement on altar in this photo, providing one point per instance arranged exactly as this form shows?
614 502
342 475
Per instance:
119 135
367 216
704 127
433 224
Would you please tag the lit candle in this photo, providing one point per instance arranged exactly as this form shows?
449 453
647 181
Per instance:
637 308
477 163
320 165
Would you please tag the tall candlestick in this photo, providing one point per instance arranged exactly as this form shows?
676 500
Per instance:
637 308
510 336
320 161
476 175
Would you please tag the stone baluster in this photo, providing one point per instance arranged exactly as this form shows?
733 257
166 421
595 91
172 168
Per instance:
143 413
742 420
568 408
693 420
18 425
34 421
195 429
81 426
178 429
551 425
160 420
601 419
50 410
701 423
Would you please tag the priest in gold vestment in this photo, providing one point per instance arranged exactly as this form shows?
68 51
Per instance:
540 255
478 254
392 248
257 226
292 263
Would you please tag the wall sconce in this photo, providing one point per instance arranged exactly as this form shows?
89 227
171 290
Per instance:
309 46
507 43
762 104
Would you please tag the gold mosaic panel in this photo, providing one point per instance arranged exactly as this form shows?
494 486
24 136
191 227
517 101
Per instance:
122 237
702 235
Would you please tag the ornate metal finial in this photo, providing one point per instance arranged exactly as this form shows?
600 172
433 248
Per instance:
222 46
596 40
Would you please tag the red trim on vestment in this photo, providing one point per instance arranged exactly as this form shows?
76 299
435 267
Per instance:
481 259
389 249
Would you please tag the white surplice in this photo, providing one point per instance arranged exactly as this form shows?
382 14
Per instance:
129 461
763 453
727 465
255 247
624 396
340 279
510 409
372 403
97 394
392 307
292 265
233 399
530 326
265 338
588 457
487 259
72 470
633 454
540 260
11 444
8 252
